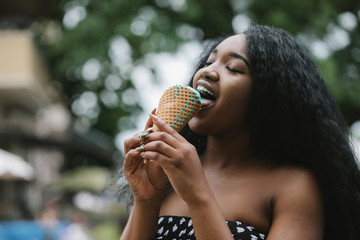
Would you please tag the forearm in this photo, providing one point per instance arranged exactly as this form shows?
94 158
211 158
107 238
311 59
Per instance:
142 221
208 220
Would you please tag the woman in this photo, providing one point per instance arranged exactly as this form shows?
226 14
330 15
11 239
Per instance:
269 157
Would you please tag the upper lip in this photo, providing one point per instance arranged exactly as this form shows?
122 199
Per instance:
206 85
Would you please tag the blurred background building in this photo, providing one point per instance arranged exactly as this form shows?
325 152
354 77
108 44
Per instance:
24 95
38 142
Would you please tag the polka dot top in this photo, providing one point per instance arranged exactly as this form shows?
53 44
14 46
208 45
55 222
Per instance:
180 228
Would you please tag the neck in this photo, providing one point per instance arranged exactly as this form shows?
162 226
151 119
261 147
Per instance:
229 150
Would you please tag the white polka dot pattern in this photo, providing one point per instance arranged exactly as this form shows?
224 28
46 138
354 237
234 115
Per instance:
180 228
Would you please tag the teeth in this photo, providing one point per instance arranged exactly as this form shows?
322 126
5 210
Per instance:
204 90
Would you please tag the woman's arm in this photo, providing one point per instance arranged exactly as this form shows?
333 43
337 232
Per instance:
142 221
147 182
298 209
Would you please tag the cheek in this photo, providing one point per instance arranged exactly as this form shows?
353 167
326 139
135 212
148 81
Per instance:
235 106
196 77
238 94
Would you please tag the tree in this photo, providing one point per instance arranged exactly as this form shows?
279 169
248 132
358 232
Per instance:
92 46
98 43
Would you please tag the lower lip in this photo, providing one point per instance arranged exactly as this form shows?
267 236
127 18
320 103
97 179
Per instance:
206 105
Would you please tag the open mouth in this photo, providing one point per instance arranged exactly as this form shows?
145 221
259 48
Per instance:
207 96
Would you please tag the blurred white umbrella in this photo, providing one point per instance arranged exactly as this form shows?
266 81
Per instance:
84 178
13 167
355 138
356 147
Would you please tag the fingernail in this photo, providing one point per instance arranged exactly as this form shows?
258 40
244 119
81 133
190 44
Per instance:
140 148
155 118
141 135
149 129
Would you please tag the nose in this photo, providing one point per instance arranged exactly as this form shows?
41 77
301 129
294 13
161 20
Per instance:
209 74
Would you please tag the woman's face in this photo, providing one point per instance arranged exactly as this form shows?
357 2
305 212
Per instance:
225 84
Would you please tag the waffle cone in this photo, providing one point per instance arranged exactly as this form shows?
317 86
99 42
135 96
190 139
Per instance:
178 105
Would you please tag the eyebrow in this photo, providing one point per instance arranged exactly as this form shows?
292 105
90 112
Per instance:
235 55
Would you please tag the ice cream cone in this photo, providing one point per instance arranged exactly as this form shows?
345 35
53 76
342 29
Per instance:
178 105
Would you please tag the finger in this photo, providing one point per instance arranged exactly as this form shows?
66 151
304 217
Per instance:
165 127
132 161
132 142
149 122
144 133
136 140
158 146
155 156
164 137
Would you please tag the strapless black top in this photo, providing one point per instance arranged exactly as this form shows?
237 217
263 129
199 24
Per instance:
180 228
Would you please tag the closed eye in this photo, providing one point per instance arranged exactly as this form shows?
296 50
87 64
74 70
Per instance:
234 70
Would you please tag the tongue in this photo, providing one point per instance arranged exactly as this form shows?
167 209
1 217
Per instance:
206 102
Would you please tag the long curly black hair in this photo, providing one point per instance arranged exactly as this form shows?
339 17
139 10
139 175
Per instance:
293 119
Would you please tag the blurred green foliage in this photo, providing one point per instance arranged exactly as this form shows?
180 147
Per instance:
140 27
108 230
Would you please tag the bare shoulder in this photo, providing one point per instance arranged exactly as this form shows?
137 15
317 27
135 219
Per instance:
296 180
297 187
297 205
